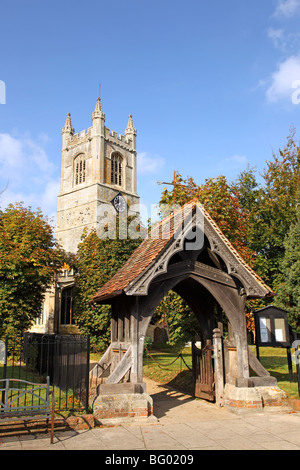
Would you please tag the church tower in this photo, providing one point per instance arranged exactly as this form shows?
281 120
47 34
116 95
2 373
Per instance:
97 165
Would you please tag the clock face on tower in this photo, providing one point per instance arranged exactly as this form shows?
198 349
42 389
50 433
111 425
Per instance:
119 203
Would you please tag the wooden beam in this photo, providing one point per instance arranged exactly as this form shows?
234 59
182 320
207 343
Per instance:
199 269
213 274
121 369
103 364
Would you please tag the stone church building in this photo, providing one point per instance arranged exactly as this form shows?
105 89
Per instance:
98 169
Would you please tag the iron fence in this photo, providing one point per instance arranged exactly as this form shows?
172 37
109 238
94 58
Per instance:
65 359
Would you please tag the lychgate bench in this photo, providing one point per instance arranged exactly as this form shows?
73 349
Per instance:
22 400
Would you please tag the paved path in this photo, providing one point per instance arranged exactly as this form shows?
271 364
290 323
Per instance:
183 424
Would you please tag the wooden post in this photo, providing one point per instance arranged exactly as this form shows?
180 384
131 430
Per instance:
220 319
218 362
134 340
114 325
290 365
257 350
120 325
140 359
126 326
240 330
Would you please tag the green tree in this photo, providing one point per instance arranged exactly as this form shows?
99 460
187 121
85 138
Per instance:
180 320
29 259
247 191
289 290
96 262
271 208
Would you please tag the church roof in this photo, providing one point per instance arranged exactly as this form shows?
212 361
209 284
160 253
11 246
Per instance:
152 248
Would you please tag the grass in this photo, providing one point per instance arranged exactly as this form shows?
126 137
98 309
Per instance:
21 396
164 366
65 400
159 368
274 361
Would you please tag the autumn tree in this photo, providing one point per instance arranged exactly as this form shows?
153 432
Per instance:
98 258
222 201
29 259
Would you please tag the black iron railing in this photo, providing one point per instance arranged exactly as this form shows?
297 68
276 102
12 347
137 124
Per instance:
65 359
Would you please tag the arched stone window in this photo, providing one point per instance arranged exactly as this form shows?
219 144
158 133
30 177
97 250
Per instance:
79 169
116 169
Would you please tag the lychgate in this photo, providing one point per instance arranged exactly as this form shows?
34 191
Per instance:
186 252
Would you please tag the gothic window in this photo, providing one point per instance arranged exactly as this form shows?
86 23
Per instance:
116 169
66 316
79 168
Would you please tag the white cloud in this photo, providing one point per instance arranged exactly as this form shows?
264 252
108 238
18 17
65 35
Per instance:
37 156
149 164
27 173
277 36
19 156
10 152
287 8
282 80
285 41
234 162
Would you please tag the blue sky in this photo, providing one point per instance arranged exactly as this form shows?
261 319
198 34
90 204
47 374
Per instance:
209 84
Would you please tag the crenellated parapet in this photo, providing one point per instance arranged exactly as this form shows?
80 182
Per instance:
79 137
118 139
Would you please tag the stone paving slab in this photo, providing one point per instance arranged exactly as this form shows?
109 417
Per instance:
184 425
164 437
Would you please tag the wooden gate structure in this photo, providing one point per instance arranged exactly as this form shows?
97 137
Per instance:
186 252
203 371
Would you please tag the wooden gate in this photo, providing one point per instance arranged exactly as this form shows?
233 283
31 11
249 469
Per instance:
203 371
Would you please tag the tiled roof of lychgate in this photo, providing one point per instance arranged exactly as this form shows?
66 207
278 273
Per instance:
141 258
151 248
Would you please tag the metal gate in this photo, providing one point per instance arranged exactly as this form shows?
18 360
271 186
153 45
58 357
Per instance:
203 371
65 359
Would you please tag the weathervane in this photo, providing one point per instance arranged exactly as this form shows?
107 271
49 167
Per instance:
174 183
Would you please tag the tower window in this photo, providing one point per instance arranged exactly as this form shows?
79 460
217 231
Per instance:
116 170
79 167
